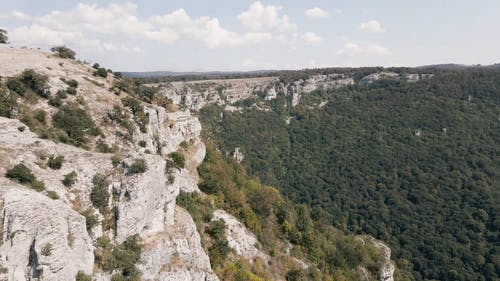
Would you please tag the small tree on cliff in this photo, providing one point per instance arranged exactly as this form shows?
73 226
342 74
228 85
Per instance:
64 52
3 36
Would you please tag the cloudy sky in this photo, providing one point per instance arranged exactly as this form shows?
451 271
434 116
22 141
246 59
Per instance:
206 35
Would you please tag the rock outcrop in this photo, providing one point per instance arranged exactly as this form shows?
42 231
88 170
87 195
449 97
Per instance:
240 239
176 253
47 239
386 271
42 239
196 94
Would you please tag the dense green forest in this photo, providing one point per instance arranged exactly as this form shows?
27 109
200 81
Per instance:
416 165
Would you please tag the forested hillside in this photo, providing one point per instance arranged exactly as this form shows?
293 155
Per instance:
417 165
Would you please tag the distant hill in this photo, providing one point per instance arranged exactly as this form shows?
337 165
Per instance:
446 66
194 73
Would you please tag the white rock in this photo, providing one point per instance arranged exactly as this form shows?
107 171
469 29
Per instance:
238 155
176 253
42 238
240 239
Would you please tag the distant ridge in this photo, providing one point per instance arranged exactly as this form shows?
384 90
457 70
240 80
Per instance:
446 66
455 66
194 73
256 73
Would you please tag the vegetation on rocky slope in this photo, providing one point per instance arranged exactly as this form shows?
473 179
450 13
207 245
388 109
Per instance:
332 254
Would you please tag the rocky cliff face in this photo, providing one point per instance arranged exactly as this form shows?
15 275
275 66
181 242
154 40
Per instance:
196 94
42 238
47 239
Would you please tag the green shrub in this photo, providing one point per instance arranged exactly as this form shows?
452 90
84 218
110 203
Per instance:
17 86
69 179
52 195
90 218
123 257
178 159
138 166
99 195
55 101
40 115
140 117
55 162
133 104
35 81
71 83
8 104
101 72
21 128
146 93
219 249
80 276
115 160
142 143
63 52
61 94
38 186
4 39
216 229
76 123
127 85
71 91
96 66
184 144
21 174
103 147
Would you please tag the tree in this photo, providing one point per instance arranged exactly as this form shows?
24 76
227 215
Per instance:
101 72
99 195
3 36
64 52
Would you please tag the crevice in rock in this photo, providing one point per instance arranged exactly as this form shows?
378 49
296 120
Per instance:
33 262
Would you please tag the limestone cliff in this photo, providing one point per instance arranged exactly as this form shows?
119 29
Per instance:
46 238
226 92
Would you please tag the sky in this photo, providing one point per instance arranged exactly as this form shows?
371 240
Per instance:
229 35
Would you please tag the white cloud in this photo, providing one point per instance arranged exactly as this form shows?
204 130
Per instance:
113 19
312 38
109 27
42 35
179 24
352 48
260 18
316 13
85 21
371 26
